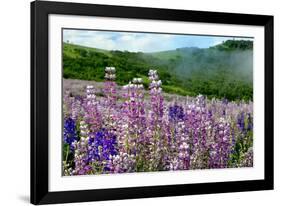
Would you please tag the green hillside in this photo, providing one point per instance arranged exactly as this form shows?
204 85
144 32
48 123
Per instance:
222 71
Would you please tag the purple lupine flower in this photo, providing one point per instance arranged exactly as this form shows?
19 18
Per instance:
241 122
69 132
92 114
133 117
249 122
75 107
121 163
81 149
182 148
176 113
157 107
199 122
102 145
156 120
110 87
221 149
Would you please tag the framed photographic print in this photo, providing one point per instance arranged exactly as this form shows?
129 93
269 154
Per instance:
131 102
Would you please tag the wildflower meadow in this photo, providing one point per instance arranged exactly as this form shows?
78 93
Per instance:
136 129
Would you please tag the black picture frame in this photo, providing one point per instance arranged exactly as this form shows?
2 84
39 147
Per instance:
39 102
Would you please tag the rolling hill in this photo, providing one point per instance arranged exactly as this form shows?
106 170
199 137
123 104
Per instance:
222 71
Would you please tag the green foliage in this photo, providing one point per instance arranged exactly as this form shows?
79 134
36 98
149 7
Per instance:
241 147
222 71
68 156
234 44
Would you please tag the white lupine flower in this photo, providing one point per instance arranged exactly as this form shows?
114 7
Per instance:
151 72
109 69
222 120
135 80
90 86
159 83
110 73
131 85
140 86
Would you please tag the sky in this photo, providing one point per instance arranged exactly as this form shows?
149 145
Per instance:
139 42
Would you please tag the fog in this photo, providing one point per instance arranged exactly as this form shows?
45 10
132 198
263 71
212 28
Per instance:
211 61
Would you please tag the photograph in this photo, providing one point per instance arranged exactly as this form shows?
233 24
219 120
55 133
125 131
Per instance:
150 102
131 102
